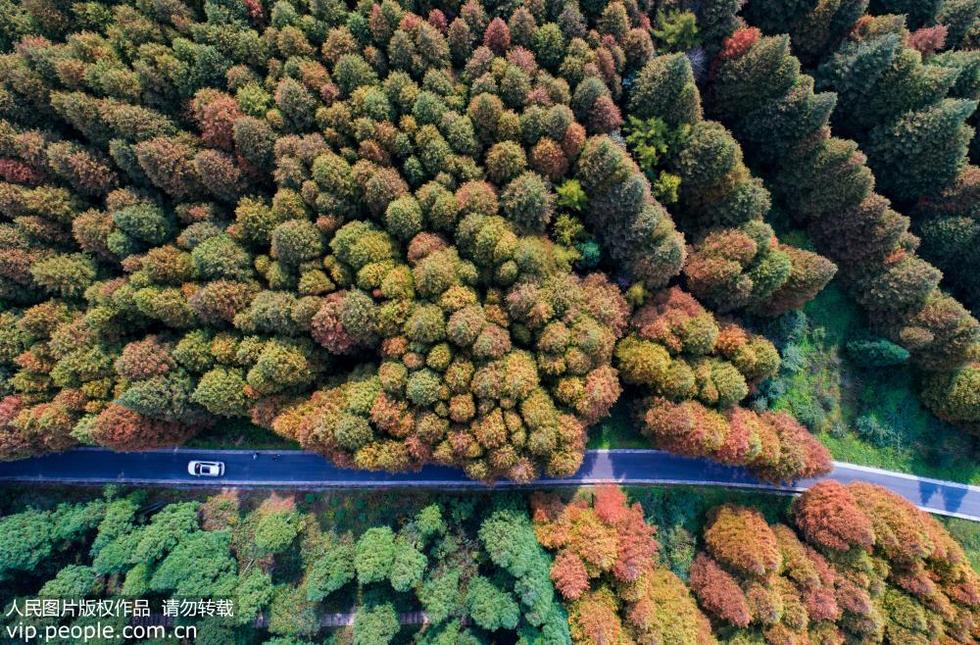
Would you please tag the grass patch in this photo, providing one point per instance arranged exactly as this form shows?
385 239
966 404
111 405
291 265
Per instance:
967 533
864 415
241 434
619 429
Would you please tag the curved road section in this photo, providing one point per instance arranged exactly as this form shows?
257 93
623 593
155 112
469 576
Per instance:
295 469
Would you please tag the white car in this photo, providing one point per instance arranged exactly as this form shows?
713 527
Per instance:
206 468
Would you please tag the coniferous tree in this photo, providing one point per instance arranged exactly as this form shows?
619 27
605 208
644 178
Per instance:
826 181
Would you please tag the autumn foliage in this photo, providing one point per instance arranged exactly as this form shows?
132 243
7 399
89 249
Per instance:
698 370
605 569
855 563
397 235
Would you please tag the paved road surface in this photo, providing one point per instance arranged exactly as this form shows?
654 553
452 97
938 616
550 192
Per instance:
307 470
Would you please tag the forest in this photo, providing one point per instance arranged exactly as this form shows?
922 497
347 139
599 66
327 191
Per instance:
462 233
840 564
491 234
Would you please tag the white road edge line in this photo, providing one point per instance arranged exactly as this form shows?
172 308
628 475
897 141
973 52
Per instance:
840 468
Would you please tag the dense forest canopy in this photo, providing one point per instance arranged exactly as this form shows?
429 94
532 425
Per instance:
416 232
460 233
840 564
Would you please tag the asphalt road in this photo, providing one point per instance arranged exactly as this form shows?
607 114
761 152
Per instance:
296 469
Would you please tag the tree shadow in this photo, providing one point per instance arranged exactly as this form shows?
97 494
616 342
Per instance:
951 496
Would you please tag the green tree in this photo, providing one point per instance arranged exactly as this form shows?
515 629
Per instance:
441 596
330 572
199 566
490 607
374 555
30 542
74 581
407 567
275 530
377 623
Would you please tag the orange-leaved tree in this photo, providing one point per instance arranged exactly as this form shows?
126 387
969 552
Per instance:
606 570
